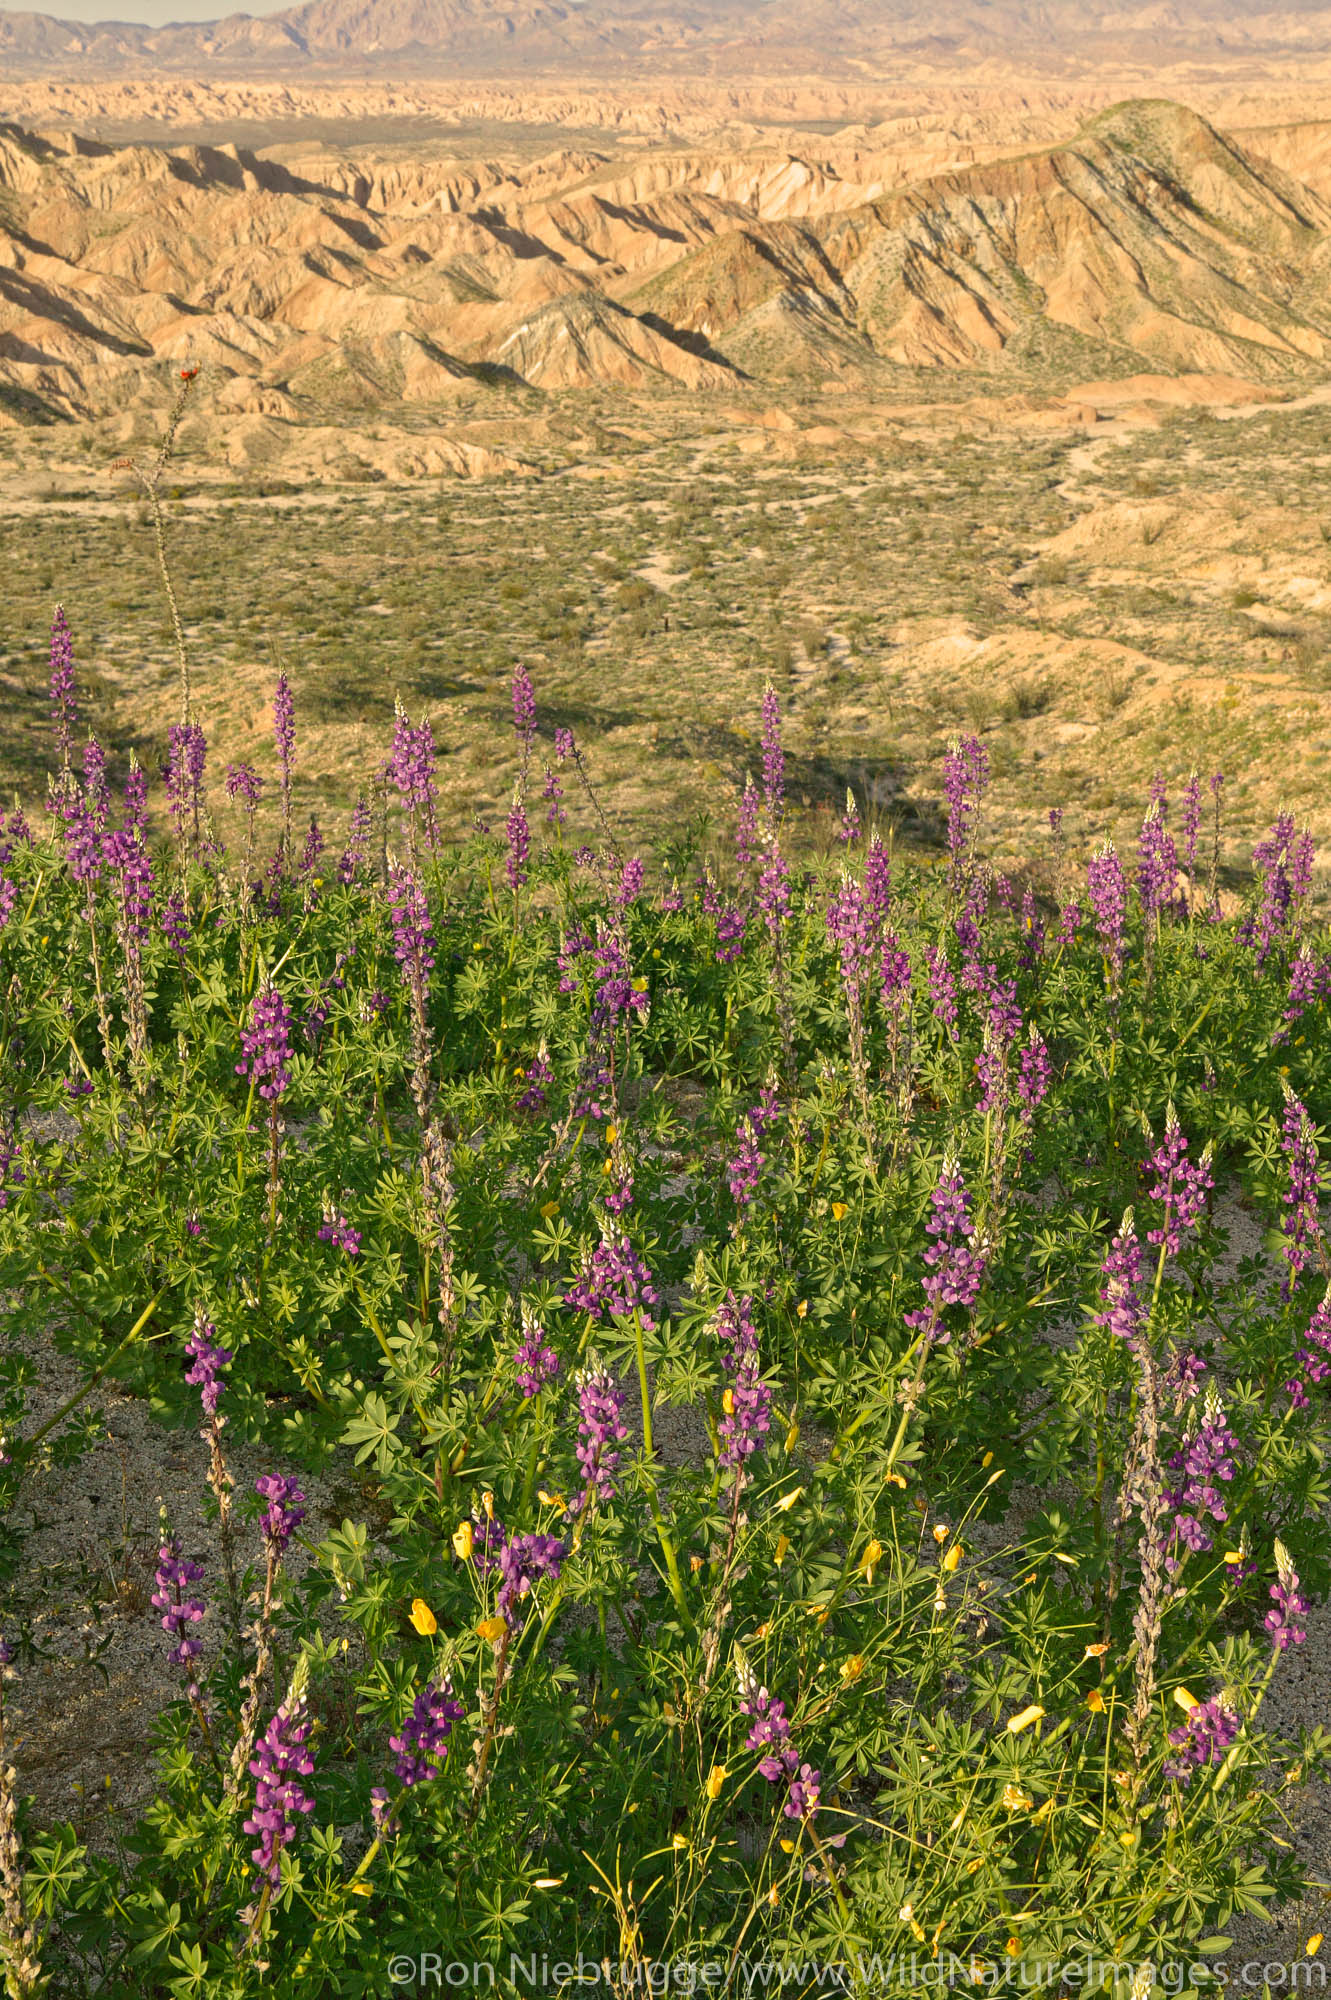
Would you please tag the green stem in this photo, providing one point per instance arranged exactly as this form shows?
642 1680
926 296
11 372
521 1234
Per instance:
663 1534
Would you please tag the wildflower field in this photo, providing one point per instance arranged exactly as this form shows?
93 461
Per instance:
937 1622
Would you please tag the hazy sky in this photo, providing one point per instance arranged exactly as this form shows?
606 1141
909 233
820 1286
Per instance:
156 12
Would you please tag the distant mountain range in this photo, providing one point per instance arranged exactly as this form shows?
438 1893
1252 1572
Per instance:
719 37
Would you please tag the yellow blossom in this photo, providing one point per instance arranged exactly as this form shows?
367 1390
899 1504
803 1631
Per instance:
1024 1718
555 1500
1186 1700
1013 1947
870 1560
793 1433
763 1629
1015 1800
488 1502
423 1618
361 1889
611 1134
549 1208
491 1629
839 1210
782 1549
716 1777
1095 1701
953 1557
773 1896
679 1841
787 1847
728 1402
548 1882
852 1668
462 1540
1314 1944
801 1310
955 1823
1095 1652
941 1531
788 1500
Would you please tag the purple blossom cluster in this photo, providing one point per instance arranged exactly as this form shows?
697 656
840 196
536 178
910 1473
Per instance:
615 994
537 1078
64 712
780 1764
746 827
616 1280
1289 1605
747 1403
266 1045
1284 864
207 1360
942 988
956 1260
176 1574
285 1510
1035 1073
965 778
280 1761
731 925
411 763
601 1430
523 1562
519 845
335 1229
535 1361
412 928
1122 1311
1200 1461
1179 1184
1313 1356
421 1744
1108 892
1302 1227
1157 860
1202 1740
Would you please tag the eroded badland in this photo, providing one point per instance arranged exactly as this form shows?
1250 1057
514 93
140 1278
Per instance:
944 389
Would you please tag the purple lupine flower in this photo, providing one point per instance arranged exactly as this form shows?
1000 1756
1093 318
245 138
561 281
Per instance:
1199 1462
1035 1073
1069 922
564 745
83 840
488 1541
535 1361
358 839
894 969
630 884
1121 1309
616 1280
207 1362
746 829
421 1744
64 712
526 1559
284 725
335 1229
519 845
877 883
136 797
313 848
411 764
848 827
94 782
8 898
942 988
774 889
1192 821
1277 905
1301 1225
412 928
1314 1355
14 832
187 755
280 1761
746 1417
1201 1740
746 1165
601 1430
1179 1183
1309 982
285 1510
243 782
965 776
12 1174
552 792
731 924
524 710
850 929
616 993
1032 931
1157 860
771 1732
266 1045
1109 904
1290 1605
956 1259
774 761
538 1076
127 857
175 1574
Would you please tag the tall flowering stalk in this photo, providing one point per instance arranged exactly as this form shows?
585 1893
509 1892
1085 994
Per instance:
207 1359
780 1763
1108 892
412 769
186 761
850 928
1157 874
1124 1313
1191 816
773 891
244 783
956 1259
1217 786
284 1513
265 1053
1179 1184
64 708
126 853
413 950
284 735
965 780
1302 1224
355 853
